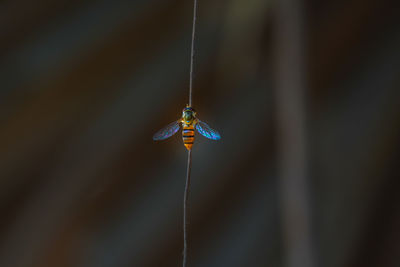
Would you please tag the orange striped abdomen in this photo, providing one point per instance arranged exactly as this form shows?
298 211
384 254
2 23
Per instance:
188 136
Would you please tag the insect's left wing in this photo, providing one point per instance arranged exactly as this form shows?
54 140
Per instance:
207 131
167 131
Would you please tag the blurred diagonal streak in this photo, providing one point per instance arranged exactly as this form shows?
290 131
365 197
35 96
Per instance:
291 134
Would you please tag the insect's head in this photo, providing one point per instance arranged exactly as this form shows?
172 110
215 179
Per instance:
188 113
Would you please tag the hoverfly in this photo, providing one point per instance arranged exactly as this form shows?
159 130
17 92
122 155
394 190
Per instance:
189 123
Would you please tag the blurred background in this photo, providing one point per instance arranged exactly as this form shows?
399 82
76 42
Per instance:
304 93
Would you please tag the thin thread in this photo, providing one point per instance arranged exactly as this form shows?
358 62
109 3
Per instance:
192 52
185 206
189 161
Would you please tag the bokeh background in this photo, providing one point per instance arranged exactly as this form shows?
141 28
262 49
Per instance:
304 93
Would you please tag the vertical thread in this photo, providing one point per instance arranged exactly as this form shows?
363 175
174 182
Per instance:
185 207
192 52
189 161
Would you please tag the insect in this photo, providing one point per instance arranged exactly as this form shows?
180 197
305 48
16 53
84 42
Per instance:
189 123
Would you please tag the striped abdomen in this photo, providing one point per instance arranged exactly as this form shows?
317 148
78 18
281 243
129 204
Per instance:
188 136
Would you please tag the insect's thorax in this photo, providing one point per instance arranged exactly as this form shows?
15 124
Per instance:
188 117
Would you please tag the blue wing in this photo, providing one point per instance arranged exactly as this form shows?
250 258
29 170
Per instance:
167 131
206 130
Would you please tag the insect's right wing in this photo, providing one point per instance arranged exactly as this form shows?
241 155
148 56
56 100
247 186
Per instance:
207 131
167 131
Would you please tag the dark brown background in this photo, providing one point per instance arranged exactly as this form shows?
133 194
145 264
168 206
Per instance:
85 84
